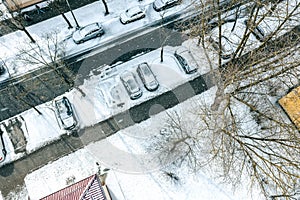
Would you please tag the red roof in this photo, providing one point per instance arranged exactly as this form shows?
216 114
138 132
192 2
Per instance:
87 189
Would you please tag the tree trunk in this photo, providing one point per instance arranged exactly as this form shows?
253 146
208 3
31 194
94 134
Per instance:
28 34
66 19
105 6
162 54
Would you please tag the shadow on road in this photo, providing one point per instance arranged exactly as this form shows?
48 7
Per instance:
7 170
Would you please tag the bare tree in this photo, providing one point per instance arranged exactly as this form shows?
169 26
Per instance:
244 132
18 21
106 7
50 56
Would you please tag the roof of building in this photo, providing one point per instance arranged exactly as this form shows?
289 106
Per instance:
88 188
291 104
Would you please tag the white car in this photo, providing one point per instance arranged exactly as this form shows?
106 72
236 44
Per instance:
132 14
160 5
130 83
87 32
65 113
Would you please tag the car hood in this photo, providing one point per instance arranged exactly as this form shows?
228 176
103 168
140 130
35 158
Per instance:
76 36
124 17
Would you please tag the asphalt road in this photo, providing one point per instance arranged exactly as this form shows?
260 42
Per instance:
43 85
13 174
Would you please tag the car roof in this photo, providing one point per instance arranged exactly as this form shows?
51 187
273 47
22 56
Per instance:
88 28
131 11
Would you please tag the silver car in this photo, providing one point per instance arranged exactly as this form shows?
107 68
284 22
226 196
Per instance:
148 78
132 14
160 5
87 32
65 113
129 81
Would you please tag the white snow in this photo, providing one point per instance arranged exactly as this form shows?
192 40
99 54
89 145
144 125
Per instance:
134 174
131 175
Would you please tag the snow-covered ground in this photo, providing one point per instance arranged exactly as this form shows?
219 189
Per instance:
133 174
104 95
16 42
130 177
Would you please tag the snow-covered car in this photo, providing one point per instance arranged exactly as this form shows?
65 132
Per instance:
65 113
88 32
186 60
238 11
231 37
160 5
132 14
2 148
227 50
148 78
130 83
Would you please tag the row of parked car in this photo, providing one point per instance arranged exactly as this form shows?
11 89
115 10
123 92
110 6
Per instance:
130 15
149 79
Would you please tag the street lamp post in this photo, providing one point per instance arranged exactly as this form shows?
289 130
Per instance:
77 25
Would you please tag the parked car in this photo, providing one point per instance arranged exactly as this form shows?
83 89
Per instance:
227 50
129 81
186 60
65 113
132 14
2 68
231 36
2 148
88 32
148 78
160 5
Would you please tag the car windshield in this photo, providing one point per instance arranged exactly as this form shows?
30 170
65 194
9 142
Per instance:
87 29
131 84
145 70
64 109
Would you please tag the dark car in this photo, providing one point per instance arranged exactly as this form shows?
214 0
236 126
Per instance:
2 148
87 32
65 113
2 68
186 61
160 5
129 81
147 76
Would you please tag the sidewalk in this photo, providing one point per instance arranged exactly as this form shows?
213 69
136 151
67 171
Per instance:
35 16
